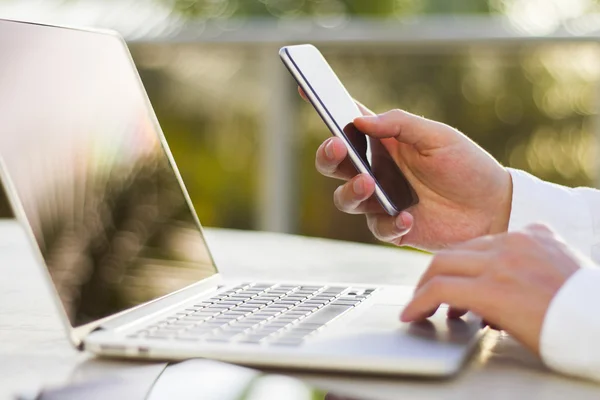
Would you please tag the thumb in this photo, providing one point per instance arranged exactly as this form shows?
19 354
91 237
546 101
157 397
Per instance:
407 128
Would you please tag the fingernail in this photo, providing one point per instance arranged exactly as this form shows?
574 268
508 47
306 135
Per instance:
359 186
405 317
400 225
369 118
329 149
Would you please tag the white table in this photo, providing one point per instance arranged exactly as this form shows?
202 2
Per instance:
34 351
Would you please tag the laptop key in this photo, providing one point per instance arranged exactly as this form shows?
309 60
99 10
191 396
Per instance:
218 339
277 306
199 318
260 320
246 308
312 302
235 312
218 308
170 327
158 337
287 342
321 297
203 327
291 302
231 303
261 285
275 323
297 296
250 341
190 338
205 303
239 296
326 314
162 333
303 307
344 303
182 323
258 302
309 325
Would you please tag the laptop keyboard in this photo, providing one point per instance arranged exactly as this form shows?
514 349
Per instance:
256 313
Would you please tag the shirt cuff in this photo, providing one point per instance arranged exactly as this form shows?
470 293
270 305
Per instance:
563 209
569 338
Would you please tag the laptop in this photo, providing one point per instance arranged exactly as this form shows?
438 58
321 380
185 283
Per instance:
90 176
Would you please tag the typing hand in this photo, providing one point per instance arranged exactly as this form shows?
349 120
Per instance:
507 279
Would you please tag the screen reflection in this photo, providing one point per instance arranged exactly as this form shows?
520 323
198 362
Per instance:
380 163
81 148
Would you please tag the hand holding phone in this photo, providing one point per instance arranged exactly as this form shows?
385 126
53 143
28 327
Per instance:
338 110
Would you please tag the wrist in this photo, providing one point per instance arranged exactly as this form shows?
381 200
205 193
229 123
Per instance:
501 213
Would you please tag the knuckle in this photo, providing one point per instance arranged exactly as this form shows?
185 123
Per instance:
323 167
443 255
436 286
538 226
441 259
519 238
436 264
375 227
338 198
508 263
540 230
503 273
398 113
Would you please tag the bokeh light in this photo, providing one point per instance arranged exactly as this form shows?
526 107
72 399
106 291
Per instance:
532 104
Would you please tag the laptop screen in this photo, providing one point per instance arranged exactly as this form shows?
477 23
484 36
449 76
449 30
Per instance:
83 153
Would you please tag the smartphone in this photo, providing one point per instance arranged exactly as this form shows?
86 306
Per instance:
338 110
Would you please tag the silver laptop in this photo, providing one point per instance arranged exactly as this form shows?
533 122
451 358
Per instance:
89 175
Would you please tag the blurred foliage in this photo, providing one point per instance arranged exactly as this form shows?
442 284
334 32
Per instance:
296 8
529 106
221 9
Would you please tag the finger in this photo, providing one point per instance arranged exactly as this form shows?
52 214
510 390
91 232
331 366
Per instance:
332 160
464 263
539 229
454 313
302 94
388 228
407 128
369 206
349 196
457 292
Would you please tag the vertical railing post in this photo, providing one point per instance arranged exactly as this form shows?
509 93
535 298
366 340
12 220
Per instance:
277 208
596 133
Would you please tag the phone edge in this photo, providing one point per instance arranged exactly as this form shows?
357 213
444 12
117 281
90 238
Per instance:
313 98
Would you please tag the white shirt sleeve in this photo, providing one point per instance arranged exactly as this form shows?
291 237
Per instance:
569 341
569 212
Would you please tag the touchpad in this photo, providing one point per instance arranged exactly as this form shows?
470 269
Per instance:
436 328
379 316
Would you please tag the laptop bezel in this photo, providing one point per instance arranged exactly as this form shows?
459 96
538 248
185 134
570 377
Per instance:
77 334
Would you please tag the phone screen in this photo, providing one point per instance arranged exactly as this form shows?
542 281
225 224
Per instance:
335 100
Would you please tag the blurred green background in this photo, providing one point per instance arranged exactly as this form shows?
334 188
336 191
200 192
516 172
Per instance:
531 104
